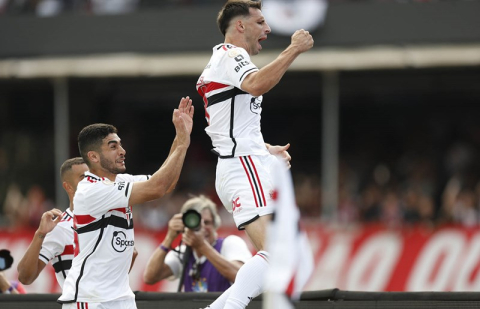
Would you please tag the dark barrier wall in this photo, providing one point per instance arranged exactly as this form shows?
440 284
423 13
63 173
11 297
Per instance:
313 299
192 28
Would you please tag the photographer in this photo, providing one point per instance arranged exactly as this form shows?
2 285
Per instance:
213 263
7 286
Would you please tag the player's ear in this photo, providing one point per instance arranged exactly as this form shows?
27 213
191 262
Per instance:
67 187
93 156
240 26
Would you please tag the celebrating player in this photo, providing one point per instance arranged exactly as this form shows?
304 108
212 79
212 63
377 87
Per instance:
103 220
232 87
53 241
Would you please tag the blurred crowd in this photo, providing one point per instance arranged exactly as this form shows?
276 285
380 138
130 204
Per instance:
409 191
46 8
380 194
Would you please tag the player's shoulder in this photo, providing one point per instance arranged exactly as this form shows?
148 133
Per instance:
228 50
127 178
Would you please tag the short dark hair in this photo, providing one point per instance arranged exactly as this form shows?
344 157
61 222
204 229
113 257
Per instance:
90 138
67 165
234 8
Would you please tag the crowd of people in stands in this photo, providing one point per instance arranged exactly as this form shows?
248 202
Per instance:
379 194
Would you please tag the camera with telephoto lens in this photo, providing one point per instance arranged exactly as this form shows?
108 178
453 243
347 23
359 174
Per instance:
192 219
6 260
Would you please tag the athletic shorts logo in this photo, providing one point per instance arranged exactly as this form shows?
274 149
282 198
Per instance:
120 242
236 206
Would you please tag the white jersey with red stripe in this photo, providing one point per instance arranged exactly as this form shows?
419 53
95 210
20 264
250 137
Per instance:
104 241
233 115
58 247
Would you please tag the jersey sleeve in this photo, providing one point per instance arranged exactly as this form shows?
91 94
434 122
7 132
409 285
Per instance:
102 196
173 260
135 178
235 249
236 66
53 245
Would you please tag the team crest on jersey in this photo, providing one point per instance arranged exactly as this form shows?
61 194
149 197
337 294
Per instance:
256 105
232 53
107 182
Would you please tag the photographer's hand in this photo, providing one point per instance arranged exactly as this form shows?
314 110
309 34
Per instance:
194 239
175 227
5 286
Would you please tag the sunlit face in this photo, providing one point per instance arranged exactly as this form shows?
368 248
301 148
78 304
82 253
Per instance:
112 155
256 30
76 174
209 231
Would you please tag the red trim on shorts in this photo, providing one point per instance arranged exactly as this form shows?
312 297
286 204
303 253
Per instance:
289 290
250 180
258 180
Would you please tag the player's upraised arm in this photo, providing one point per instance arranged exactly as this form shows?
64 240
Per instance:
30 265
260 82
165 179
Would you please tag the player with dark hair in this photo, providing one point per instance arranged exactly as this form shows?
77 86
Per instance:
232 87
103 223
53 240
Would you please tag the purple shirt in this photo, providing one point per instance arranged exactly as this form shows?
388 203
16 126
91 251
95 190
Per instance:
205 277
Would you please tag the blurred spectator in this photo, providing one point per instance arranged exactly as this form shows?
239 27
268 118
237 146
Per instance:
391 212
370 207
307 188
15 207
37 204
111 7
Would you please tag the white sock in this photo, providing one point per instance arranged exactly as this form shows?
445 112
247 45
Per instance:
219 303
249 282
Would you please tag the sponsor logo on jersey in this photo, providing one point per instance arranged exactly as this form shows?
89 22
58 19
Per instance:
120 241
255 105
241 62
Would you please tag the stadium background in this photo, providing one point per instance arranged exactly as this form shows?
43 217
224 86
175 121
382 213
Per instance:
381 115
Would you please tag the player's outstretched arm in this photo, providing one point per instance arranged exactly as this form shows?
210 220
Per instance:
262 81
165 179
30 265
